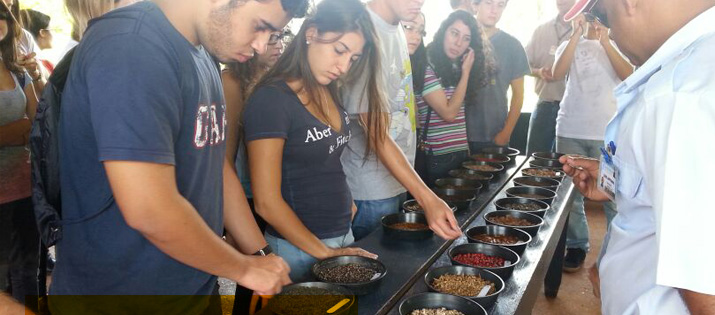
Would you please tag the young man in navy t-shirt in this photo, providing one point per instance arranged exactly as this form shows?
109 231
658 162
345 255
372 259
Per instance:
142 155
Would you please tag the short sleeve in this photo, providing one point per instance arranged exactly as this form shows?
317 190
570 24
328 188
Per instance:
519 63
432 82
531 47
267 114
561 49
135 98
354 95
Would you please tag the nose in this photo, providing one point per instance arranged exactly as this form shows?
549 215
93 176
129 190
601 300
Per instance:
343 65
260 43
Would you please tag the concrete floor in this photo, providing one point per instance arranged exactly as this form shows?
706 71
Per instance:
575 294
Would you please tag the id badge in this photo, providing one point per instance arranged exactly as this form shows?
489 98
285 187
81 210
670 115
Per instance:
608 178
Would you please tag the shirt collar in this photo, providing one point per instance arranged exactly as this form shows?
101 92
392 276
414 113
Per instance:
675 45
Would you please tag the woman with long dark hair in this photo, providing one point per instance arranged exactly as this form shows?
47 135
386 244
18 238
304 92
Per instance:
19 239
296 130
448 74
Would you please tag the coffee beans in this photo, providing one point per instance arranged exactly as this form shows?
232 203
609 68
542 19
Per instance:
510 220
479 260
350 273
463 285
522 206
483 168
305 301
409 226
531 196
529 182
497 239
436 311
412 207
467 175
540 172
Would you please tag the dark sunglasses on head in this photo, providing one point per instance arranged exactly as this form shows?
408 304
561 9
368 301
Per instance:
595 13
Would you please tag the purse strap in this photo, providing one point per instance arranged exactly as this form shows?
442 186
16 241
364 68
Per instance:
423 139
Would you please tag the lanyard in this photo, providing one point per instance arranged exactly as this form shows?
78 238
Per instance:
562 37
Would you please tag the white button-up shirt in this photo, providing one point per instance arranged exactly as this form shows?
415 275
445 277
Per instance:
664 130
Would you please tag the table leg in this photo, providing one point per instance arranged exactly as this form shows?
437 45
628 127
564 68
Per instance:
552 281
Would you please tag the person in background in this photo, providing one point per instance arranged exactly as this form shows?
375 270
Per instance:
592 68
491 120
296 130
143 159
239 80
658 145
378 161
465 5
38 24
81 11
19 239
27 49
455 70
540 51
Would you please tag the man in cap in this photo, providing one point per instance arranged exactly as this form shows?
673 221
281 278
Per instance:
653 162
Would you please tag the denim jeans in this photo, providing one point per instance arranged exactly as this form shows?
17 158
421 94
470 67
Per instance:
299 261
370 212
577 233
19 250
438 166
542 127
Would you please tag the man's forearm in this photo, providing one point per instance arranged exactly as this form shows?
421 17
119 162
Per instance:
698 303
517 102
239 221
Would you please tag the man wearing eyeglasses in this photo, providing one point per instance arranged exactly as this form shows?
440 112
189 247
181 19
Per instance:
654 159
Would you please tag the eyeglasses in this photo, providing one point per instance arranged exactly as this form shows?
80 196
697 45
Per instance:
414 30
594 13
286 36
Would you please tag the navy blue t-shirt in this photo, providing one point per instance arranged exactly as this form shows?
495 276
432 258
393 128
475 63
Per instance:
313 182
137 91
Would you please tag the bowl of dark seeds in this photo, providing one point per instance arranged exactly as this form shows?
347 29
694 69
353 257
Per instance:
486 167
544 172
406 226
309 298
459 184
531 206
532 181
529 223
453 197
538 193
553 156
440 304
358 274
510 238
511 152
552 164
491 158
413 206
479 285
482 177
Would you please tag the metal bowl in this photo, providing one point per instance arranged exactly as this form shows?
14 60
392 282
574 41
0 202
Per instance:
491 158
432 300
558 175
533 181
486 301
412 204
413 217
554 156
315 285
482 177
531 229
511 152
459 198
546 195
518 248
492 250
552 164
460 184
503 204
496 167
360 288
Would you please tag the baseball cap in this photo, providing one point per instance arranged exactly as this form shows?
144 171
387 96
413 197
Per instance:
586 6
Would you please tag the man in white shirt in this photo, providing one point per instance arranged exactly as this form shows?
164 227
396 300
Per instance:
654 262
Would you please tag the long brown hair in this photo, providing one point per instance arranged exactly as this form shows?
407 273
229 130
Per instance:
8 45
337 16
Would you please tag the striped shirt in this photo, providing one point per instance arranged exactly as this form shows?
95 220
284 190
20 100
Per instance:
442 137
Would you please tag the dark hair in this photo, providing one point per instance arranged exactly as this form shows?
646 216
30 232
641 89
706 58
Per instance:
418 60
455 3
449 72
35 21
8 45
295 8
337 16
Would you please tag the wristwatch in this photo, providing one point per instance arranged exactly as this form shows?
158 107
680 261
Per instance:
265 251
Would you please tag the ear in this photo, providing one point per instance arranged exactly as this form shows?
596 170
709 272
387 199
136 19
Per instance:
311 33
